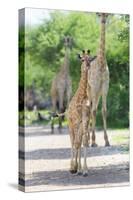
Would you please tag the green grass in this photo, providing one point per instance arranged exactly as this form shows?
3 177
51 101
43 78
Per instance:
125 148
123 141
29 118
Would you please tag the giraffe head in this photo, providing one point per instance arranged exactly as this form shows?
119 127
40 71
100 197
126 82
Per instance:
103 17
85 59
68 42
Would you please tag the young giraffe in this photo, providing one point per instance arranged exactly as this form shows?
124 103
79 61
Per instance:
98 82
77 115
61 88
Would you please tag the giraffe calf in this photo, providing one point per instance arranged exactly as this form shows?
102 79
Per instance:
78 118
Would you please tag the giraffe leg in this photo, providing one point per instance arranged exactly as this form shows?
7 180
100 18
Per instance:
104 113
69 92
88 128
86 116
85 139
77 146
73 168
52 125
85 168
93 127
54 100
79 171
74 161
88 134
61 95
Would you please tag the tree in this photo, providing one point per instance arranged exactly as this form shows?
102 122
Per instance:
44 54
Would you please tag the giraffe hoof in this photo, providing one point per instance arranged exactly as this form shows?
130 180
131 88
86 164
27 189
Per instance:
72 171
85 174
94 145
79 173
107 144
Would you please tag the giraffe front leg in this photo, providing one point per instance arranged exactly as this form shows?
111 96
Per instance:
69 91
61 97
77 148
85 144
88 136
79 171
104 114
75 161
72 138
85 168
73 168
86 115
88 126
54 101
74 154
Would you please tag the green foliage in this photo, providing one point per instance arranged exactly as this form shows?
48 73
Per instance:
44 53
29 118
122 140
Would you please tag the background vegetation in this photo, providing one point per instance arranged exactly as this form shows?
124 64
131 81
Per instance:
44 53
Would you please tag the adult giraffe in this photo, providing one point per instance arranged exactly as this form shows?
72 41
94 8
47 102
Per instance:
98 82
61 88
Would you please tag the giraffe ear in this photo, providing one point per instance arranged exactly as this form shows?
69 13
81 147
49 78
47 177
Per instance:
88 51
68 39
65 39
106 14
98 14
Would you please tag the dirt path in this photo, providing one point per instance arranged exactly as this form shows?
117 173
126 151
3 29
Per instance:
48 157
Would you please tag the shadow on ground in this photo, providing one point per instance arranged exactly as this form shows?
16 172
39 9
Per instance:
64 153
106 175
41 131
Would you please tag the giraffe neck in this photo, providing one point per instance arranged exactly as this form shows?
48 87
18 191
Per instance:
101 52
65 67
83 83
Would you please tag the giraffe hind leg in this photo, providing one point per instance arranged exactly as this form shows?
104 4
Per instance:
52 125
105 132
61 98
93 129
104 114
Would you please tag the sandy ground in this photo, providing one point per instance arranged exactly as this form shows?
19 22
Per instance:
47 159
